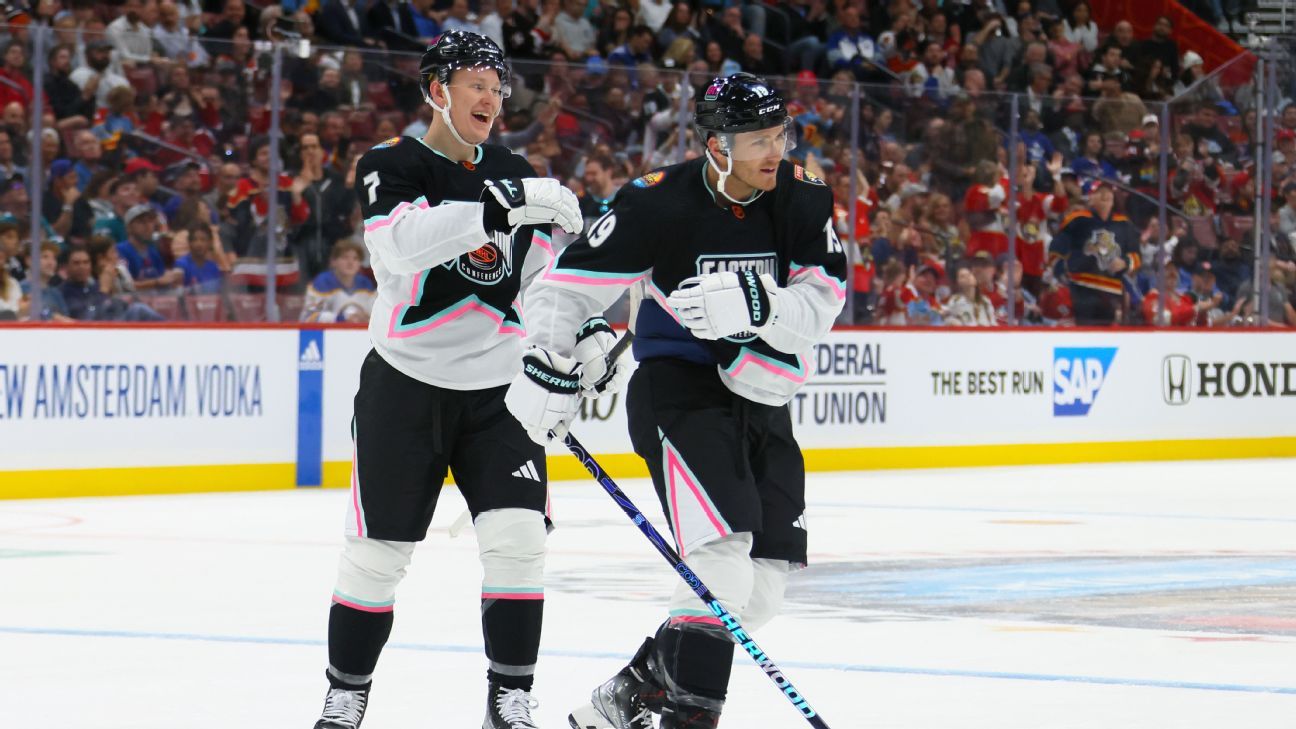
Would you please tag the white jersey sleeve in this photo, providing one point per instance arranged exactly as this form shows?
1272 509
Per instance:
413 235
588 277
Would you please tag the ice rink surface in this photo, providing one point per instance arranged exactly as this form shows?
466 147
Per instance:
1102 597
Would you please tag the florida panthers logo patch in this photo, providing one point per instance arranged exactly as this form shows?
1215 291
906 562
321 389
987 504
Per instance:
650 179
387 143
805 175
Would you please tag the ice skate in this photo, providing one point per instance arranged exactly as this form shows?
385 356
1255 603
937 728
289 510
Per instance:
625 701
343 708
508 708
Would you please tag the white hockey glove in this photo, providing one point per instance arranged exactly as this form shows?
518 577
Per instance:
545 395
530 201
723 304
598 376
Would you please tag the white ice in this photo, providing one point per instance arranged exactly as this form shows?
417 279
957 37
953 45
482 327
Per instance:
1101 597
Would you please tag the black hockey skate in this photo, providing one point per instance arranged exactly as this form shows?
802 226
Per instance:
689 717
625 701
508 708
343 708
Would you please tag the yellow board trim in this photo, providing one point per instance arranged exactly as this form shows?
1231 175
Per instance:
70 482
82 482
1034 454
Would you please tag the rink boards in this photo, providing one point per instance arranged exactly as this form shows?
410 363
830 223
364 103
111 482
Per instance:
96 411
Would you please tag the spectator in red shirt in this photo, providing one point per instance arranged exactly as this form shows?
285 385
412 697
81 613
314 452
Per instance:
1034 210
1179 310
891 305
185 134
983 207
1065 52
922 307
15 81
1056 307
250 204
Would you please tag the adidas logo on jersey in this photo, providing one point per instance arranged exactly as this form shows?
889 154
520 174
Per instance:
527 471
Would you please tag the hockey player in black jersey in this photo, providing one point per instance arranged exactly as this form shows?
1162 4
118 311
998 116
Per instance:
454 227
743 273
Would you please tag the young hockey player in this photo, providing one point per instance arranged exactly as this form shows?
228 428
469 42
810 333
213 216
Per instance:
454 227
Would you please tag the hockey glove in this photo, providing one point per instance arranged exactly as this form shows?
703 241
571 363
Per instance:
529 201
599 376
545 395
723 304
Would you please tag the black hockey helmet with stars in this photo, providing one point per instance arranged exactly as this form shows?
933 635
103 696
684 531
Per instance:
458 49
731 106
738 103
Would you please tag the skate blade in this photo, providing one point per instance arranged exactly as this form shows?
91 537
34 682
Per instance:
588 717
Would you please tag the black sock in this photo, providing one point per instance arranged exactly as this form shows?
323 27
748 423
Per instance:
355 639
511 629
698 661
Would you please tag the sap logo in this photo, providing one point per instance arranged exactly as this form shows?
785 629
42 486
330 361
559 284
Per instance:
1078 376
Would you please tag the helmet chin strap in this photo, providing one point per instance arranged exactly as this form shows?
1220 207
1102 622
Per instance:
724 175
445 116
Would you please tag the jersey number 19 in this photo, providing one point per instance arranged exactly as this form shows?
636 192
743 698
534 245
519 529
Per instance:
834 244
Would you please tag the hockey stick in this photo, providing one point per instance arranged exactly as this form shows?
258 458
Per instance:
730 622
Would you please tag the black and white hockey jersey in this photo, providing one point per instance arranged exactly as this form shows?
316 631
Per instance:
448 311
669 225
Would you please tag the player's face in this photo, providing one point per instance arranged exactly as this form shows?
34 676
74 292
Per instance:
478 97
756 155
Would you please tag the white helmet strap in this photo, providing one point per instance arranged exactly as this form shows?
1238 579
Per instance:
725 173
445 115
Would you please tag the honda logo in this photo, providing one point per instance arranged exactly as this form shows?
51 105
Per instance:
1176 379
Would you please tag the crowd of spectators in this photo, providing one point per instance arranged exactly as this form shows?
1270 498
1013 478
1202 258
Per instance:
157 158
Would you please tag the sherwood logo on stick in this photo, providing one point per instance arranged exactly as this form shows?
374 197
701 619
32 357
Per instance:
1182 379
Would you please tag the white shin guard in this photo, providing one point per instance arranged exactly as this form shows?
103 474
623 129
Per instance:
725 566
751 589
771 576
369 571
511 543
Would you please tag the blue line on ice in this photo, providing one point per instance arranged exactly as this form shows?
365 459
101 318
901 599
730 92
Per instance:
809 665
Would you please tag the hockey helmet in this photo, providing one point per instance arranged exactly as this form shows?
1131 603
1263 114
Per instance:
458 49
740 103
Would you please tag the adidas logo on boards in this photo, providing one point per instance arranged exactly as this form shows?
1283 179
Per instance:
311 358
527 471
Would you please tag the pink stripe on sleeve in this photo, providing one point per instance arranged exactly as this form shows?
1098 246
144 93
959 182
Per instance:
394 214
